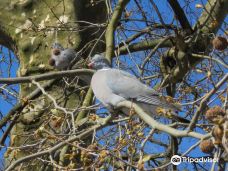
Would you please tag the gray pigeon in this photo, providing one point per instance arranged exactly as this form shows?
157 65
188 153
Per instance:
61 58
112 86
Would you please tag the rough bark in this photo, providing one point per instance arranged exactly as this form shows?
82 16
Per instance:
28 29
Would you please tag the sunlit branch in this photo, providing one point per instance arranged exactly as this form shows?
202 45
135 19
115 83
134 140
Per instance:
47 76
156 125
112 27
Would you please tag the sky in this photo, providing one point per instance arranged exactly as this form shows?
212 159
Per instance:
7 57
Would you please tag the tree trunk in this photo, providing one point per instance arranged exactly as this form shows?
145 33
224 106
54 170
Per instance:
29 28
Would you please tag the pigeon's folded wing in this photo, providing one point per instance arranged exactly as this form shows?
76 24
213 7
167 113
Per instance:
127 85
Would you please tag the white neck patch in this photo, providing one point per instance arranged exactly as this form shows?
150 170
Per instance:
104 69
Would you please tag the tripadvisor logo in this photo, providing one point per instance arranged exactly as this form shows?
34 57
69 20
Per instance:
176 159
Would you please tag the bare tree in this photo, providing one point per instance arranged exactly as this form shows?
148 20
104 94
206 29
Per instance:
170 45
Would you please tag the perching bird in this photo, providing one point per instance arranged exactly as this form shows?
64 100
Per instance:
61 58
112 86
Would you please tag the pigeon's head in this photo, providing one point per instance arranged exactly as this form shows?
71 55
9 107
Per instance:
56 49
99 62
57 46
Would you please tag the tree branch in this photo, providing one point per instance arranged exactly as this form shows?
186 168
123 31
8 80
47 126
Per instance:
156 125
145 45
179 13
83 135
20 106
46 76
86 103
6 40
203 103
213 16
110 41
209 22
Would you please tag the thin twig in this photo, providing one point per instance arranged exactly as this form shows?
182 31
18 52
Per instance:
83 135
203 103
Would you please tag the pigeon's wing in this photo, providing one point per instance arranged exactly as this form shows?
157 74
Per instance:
129 87
68 54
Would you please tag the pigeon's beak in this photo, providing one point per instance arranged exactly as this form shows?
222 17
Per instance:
90 65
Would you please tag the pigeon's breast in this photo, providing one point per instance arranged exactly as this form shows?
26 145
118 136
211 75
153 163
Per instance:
101 89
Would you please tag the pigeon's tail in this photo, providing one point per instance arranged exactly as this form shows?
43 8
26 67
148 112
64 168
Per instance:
163 102
173 106
166 110
168 103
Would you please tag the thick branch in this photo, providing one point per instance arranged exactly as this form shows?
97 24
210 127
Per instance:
179 13
145 45
47 76
112 27
183 67
86 103
210 21
6 40
213 16
156 125
135 36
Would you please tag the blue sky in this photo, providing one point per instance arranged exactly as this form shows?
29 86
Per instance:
6 58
